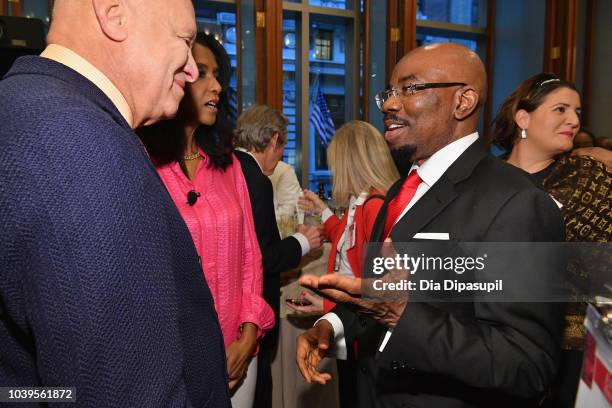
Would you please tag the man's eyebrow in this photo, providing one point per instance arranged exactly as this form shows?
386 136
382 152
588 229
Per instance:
410 77
189 35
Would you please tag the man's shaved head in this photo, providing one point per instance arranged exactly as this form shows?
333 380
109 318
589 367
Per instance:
453 61
142 46
432 118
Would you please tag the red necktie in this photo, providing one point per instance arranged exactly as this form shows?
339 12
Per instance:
401 200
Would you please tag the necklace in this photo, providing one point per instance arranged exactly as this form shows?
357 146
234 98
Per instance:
192 156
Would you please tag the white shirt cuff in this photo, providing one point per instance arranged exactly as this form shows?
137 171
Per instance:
385 341
303 242
326 214
339 349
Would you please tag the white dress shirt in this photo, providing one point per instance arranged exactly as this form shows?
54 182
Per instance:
429 172
347 239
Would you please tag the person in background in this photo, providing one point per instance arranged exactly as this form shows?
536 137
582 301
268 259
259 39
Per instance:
600 154
194 158
100 286
286 189
603 142
586 144
584 138
363 170
261 135
538 124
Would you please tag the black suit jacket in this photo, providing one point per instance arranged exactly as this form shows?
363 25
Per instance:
449 354
277 255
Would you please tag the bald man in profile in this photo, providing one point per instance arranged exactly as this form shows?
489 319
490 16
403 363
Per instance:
101 288
445 354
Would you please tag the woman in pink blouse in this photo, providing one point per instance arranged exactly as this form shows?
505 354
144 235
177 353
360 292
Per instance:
193 156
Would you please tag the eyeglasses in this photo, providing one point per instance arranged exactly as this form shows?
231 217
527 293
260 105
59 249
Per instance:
410 89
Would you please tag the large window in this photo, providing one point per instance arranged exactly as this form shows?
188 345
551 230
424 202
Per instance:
291 83
323 61
337 4
321 81
464 12
460 21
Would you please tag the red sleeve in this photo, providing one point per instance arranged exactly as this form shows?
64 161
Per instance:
370 212
332 228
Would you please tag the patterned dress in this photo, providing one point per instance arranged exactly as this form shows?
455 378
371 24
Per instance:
584 186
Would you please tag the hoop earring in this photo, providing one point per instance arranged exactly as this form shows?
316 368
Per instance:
523 134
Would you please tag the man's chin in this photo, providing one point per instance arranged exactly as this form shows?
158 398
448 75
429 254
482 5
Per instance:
403 157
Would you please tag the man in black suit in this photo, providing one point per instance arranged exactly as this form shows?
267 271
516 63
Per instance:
261 135
445 354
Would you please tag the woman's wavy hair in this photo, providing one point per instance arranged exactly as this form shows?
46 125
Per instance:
529 95
165 140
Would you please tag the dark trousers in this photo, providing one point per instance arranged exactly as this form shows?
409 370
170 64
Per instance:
267 351
347 383
565 387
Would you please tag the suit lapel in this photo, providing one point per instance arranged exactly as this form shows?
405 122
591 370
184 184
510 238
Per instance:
439 196
379 225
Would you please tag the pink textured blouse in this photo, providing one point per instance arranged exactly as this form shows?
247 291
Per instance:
222 228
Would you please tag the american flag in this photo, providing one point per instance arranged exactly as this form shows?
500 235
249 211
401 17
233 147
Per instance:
320 119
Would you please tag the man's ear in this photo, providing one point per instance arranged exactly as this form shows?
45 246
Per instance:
467 103
522 118
274 141
112 17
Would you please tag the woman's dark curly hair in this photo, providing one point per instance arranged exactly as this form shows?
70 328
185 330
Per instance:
528 96
165 140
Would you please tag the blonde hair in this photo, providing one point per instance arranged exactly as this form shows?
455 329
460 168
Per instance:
360 160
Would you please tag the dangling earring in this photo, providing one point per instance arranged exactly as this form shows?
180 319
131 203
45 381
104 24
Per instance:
523 134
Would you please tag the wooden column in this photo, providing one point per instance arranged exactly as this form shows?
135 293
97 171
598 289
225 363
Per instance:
268 39
490 64
274 53
401 30
569 40
15 8
366 60
587 89
260 45
3 8
560 38
408 11
393 36
238 57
